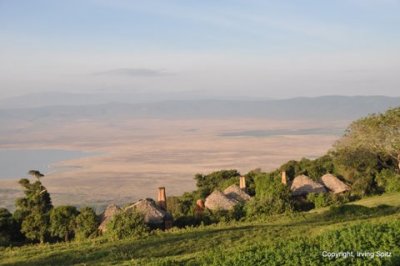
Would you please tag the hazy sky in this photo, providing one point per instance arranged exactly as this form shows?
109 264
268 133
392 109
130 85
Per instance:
216 47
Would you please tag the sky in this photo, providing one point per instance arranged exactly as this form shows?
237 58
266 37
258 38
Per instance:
211 48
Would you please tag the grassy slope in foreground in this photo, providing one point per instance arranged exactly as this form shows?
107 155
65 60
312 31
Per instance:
207 245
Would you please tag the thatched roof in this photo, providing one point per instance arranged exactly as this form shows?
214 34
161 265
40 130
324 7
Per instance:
152 213
302 185
107 215
234 192
334 184
219 201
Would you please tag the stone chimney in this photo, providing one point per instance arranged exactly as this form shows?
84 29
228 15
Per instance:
162 198
242 183
284 178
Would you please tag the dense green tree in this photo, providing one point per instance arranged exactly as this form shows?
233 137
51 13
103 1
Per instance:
86 223
62 222
128 224
7 227
35 226
32 211
378 134
272 197
370 146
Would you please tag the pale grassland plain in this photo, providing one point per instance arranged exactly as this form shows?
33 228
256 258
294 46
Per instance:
135 156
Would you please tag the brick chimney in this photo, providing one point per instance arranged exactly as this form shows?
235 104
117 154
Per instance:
162 198
199 208
284 178
242 183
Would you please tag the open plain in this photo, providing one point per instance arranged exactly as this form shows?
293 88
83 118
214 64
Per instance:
136 155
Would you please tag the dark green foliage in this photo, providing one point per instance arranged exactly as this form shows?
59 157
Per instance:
370 148
226 216
211 217
216 180
359 166
274 198
35 226
189 220
312 168
182 205
320 199
127 225
388 181
86 224
377 134
8 227
62 222
265 183
33 210
364 185
250 181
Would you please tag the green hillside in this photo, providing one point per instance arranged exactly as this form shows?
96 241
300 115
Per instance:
391 199
296 239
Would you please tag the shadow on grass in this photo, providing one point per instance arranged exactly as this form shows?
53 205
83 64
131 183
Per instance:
348 212
154 246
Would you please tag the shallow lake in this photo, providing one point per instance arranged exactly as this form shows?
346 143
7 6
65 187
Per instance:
15 163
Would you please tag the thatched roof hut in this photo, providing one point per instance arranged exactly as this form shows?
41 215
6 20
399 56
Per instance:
107 215
303 185
153 214
334 184
236 193
219 201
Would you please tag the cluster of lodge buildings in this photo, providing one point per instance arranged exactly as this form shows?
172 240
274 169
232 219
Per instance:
302 185
156 214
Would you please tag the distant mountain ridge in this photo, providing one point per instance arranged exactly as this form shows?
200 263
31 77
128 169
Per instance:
324 107
45 99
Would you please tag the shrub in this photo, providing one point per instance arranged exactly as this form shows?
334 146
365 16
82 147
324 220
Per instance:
86 224
320 199
388 180
276 200
62 222
126 225
7 227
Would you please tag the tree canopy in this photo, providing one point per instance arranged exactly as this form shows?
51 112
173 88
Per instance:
378 134
62 222
32 211
86 223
